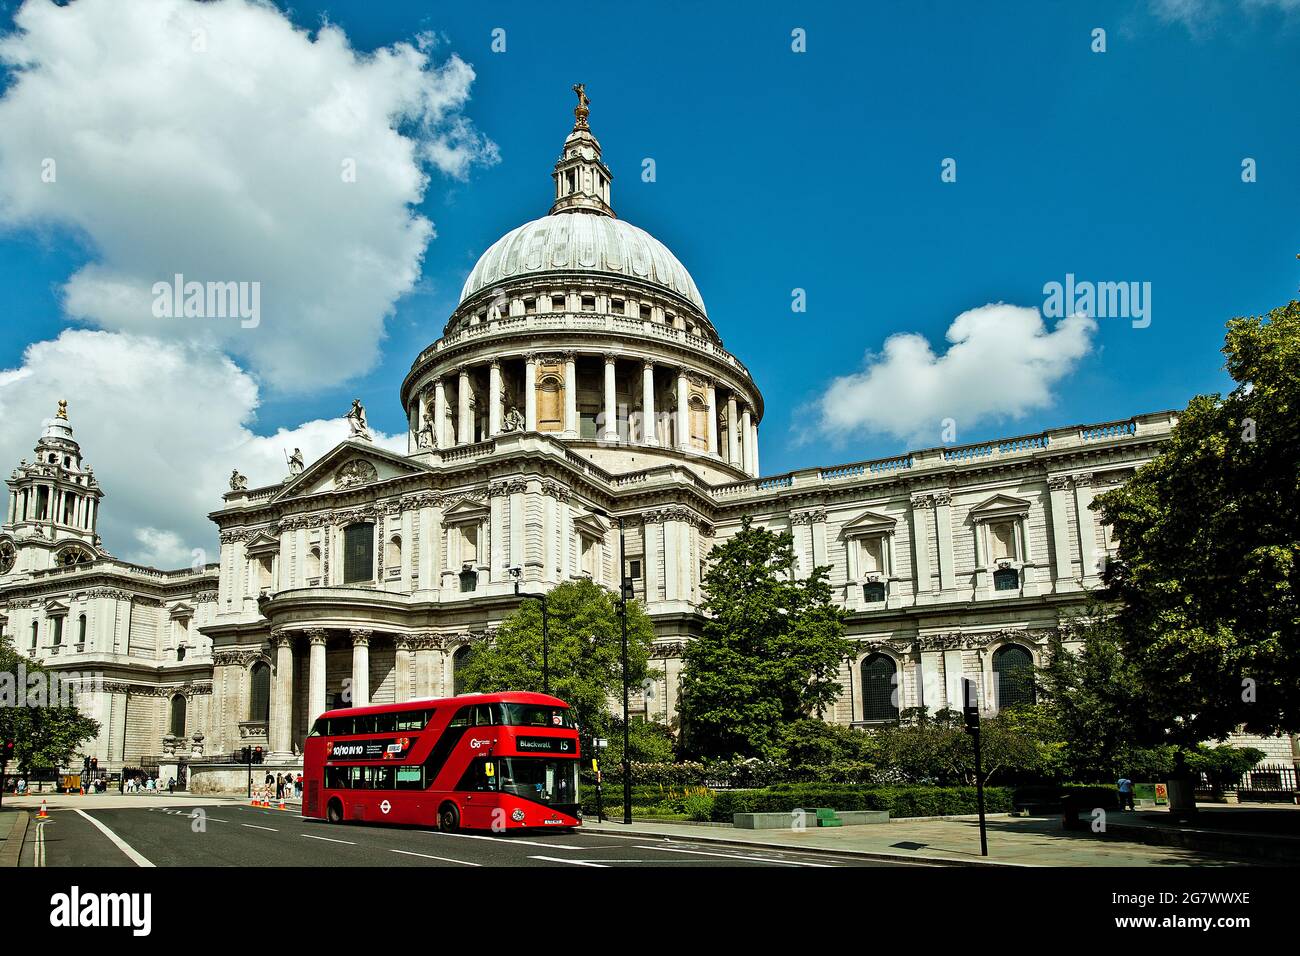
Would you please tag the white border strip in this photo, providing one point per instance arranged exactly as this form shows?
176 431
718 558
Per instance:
118 842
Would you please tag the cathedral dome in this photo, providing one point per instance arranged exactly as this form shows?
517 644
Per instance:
582 242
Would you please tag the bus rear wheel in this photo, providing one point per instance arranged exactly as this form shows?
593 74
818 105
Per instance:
334 812
448 818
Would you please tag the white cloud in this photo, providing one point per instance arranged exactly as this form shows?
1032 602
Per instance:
162 424
209 139
1197 15
1002 363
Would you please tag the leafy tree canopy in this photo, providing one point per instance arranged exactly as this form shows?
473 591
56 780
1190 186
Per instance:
585 650
1208 540
38 714
770 653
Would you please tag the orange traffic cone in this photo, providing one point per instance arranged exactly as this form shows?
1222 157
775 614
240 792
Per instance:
282 806
42 815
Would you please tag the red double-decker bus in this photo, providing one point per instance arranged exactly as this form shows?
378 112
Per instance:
478 761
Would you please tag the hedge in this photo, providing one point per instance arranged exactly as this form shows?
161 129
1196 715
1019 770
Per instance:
914 801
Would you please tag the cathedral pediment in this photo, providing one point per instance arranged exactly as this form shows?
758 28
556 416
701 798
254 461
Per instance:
350 464
999 506
869 522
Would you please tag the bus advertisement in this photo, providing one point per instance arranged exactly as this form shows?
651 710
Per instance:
478 762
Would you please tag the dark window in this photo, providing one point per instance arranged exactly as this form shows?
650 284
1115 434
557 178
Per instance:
364 725
36 628
457 661
557 303
634 570
414 720
1013 675
385 723
873 592
58 632
1006 579
259 700
178 716
358 553
879 690
180 653
81 629
588 303
461 719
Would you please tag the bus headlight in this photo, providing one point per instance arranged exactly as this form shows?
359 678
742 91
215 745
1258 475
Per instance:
517 816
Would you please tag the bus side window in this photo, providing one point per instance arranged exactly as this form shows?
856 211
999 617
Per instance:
357 778
461 719
365 725
385 723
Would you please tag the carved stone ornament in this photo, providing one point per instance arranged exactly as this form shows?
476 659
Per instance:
356 472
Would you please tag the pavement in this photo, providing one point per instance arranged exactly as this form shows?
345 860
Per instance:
159 831
185 830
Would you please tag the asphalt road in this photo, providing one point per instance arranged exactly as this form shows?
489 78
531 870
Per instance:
240 836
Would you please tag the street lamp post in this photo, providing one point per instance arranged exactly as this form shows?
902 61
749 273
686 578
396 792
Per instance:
622 618
546 638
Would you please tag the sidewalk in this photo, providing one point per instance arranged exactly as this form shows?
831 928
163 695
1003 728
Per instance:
13 827
1013 841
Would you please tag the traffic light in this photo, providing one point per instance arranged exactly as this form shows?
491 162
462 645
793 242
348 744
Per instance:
94 763
257 755
7 751
246 755
85 765
971 705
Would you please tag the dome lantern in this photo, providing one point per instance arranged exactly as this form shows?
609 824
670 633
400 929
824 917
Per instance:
582 181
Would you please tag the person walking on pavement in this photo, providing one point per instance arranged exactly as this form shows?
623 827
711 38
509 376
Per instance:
171 785
1125 786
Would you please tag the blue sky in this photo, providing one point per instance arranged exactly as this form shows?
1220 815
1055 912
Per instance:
821 171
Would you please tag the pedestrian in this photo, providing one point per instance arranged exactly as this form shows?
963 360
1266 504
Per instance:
22 786
297 787
148 785
171 785
1125 793
279 786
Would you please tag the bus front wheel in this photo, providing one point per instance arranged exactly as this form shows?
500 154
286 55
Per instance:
334 812
448 818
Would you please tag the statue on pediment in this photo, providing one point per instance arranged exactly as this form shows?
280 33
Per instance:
296 465
357 420
238 482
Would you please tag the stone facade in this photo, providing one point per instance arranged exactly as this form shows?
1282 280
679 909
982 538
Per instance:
579 382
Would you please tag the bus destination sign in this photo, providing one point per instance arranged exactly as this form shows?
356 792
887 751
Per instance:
545 745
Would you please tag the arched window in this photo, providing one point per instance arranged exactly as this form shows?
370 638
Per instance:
177 725
259 698
879 690
1013 675
81 629
313 562
358 553
550 404
36 631
393 554
457 661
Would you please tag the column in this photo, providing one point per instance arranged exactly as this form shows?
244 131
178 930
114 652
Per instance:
315 674
651 535
611 401
1083 495
440 436
496 531
683 411
711 396
943 534
1061 563
465 425
570 395
758 469
423 645
494 397
402 668
530 393
360 667
921 544
281 729
648 432
747 436
733 443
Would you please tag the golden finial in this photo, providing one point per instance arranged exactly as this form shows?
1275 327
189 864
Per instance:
581 111
63 409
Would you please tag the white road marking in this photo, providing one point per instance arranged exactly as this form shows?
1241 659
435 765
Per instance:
38 853
312 836
118 842
560 859
735 856
511 841
427 856
254 826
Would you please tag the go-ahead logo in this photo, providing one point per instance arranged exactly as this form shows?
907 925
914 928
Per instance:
76 909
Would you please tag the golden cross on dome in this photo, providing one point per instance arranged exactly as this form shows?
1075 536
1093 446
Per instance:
581 111
63 409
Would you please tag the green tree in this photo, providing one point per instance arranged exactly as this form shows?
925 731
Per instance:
1209 535
937 749
770 652
1093 697
37 714
585 651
